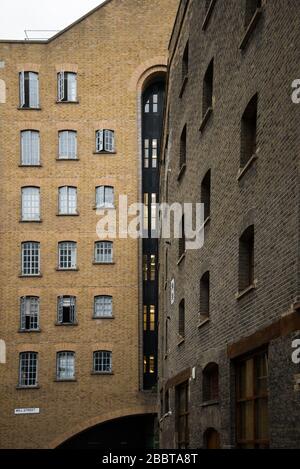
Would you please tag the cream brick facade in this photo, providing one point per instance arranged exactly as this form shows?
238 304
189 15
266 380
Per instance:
113 50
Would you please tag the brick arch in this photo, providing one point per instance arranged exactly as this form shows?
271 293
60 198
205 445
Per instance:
92 422
2 92
145 70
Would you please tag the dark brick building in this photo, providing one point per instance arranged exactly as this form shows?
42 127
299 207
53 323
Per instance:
229 312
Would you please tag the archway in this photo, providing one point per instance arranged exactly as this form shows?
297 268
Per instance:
212 439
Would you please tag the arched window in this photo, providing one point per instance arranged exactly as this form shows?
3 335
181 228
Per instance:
66 86
67 255
65 366
30 148
104 252
204 296
30 204
103 306
249 132
246 259
67 145
210 383
104 197
206 194
181 319
29 90
67 200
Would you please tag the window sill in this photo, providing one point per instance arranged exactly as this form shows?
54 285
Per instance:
208 14
206 119
30 221
67 159
67 102
64 324
180 341
103 263
104 152
181 258
30 165
100 373
247 290
74 380
210 403
27 388
29 108
181 172
104 318
250 28
67 270
30 276
183 86
243 171
202 322
103 208
67 214
29 331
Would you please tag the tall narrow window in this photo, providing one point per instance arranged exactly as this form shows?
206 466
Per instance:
104 197
246 259
30 204
153 213
30 307
145 267
252 422
182 240
181 319
28 369
146 213
31 258
103 306
249 131
29 90
67 200
185 62
66 310
149 318
152 267
206 194
67 87
182 156
65 366
102 362
204 296
67 255
30 148
251 7
154 152
182 415
104 252
208 89
146 153
67 144
210 383
105 141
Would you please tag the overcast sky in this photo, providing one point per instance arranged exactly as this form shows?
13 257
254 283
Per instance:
17 15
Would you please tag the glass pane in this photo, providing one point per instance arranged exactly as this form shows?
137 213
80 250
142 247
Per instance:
246 420
262 419
261 372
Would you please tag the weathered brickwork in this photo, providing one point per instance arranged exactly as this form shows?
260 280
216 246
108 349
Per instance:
113 50
266 195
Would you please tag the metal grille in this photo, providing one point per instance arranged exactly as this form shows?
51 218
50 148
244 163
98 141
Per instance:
28 369
30 147
30 313
103 306
65 365
104 252
31 258
30 204
102 362
67 255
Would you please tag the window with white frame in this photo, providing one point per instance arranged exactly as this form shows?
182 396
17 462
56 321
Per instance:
67 255
67 140
103 306
66 87
67 200
104 197
30 148
30 258
104 252
28 369
105 141
66 310
65 366
30 307
29 90
102 362
30 204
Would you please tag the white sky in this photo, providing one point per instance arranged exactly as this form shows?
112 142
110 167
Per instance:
17 15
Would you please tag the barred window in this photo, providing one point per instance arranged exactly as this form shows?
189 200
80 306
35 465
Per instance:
105 141
30 258
67 254
66 86
65 366
30 203
104 197
104 252
67 144
103 307
102 362
30 307
28 369
29 90
30 147
67 200
66 310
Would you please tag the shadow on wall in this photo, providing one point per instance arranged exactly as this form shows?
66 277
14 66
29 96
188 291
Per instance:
2 92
